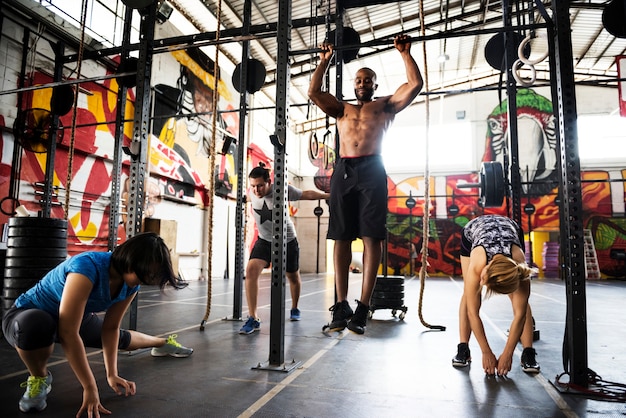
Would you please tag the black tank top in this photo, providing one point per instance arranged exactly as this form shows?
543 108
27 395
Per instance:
495 233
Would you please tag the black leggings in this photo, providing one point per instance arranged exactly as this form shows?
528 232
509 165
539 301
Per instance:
31 329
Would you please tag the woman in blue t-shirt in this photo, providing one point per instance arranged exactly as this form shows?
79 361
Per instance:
62 307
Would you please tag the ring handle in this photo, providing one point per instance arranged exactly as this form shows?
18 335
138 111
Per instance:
328 135
518 65
15 204
314 146
520 52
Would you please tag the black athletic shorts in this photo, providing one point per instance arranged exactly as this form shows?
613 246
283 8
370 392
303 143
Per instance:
262 250
31 329
358 199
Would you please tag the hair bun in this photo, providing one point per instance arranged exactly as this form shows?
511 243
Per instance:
261 164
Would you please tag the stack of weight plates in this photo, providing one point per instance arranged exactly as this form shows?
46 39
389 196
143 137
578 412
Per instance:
389 294
34 247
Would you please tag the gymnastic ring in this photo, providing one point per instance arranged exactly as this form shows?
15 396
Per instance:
520 52
327 135
517 65
326 157
16 203
314 146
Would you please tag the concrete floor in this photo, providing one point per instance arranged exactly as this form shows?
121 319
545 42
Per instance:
399 368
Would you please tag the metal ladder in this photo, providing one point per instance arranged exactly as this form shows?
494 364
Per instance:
592 271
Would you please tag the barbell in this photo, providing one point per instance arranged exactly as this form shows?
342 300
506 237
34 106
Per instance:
491 184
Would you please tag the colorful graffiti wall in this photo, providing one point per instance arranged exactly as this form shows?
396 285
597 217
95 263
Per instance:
538 158
179 146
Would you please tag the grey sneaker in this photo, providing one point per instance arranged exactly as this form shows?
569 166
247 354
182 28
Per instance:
171 348
37 389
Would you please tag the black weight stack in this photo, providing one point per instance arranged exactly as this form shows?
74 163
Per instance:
389 294
34 247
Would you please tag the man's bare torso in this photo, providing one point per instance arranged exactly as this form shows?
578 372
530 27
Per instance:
362 127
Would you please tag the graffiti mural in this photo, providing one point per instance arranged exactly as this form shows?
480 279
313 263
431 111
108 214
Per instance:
537 140
178 157
184 118
538 159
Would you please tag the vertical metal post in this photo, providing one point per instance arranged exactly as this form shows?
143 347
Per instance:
241 175
339 96
139 144
16 162
571 213
338 68
318 211
46 198
279 207
410 203
116 172
510 56
227 268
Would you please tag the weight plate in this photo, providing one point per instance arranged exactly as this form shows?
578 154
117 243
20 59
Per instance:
389 288
60 253
386 303
388 295
33 262
23 231
38 242
390 280
492 189
38 222
25 273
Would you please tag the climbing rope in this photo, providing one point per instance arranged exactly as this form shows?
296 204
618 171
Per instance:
70 152
211 190
426 222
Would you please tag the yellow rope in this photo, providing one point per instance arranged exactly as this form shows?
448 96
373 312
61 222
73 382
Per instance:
70 152
426 222
211 190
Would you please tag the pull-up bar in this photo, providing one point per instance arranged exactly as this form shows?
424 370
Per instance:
443 35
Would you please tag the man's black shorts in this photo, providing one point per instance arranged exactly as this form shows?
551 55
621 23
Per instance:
262 250
358 199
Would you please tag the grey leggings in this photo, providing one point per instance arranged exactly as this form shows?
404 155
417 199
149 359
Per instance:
30 329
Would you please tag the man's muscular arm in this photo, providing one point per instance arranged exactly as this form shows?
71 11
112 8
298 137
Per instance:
324 100
409 90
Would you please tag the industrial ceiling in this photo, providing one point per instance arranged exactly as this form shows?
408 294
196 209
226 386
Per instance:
451 49
455 45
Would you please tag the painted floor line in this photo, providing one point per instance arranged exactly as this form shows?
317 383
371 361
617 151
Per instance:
255 407
550 390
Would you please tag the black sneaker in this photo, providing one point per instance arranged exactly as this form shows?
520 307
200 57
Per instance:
359 319
463 356
342 312
529 363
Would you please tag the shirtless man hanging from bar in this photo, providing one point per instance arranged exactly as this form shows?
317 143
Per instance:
358 191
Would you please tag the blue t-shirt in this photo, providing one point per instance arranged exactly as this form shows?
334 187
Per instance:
46 294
